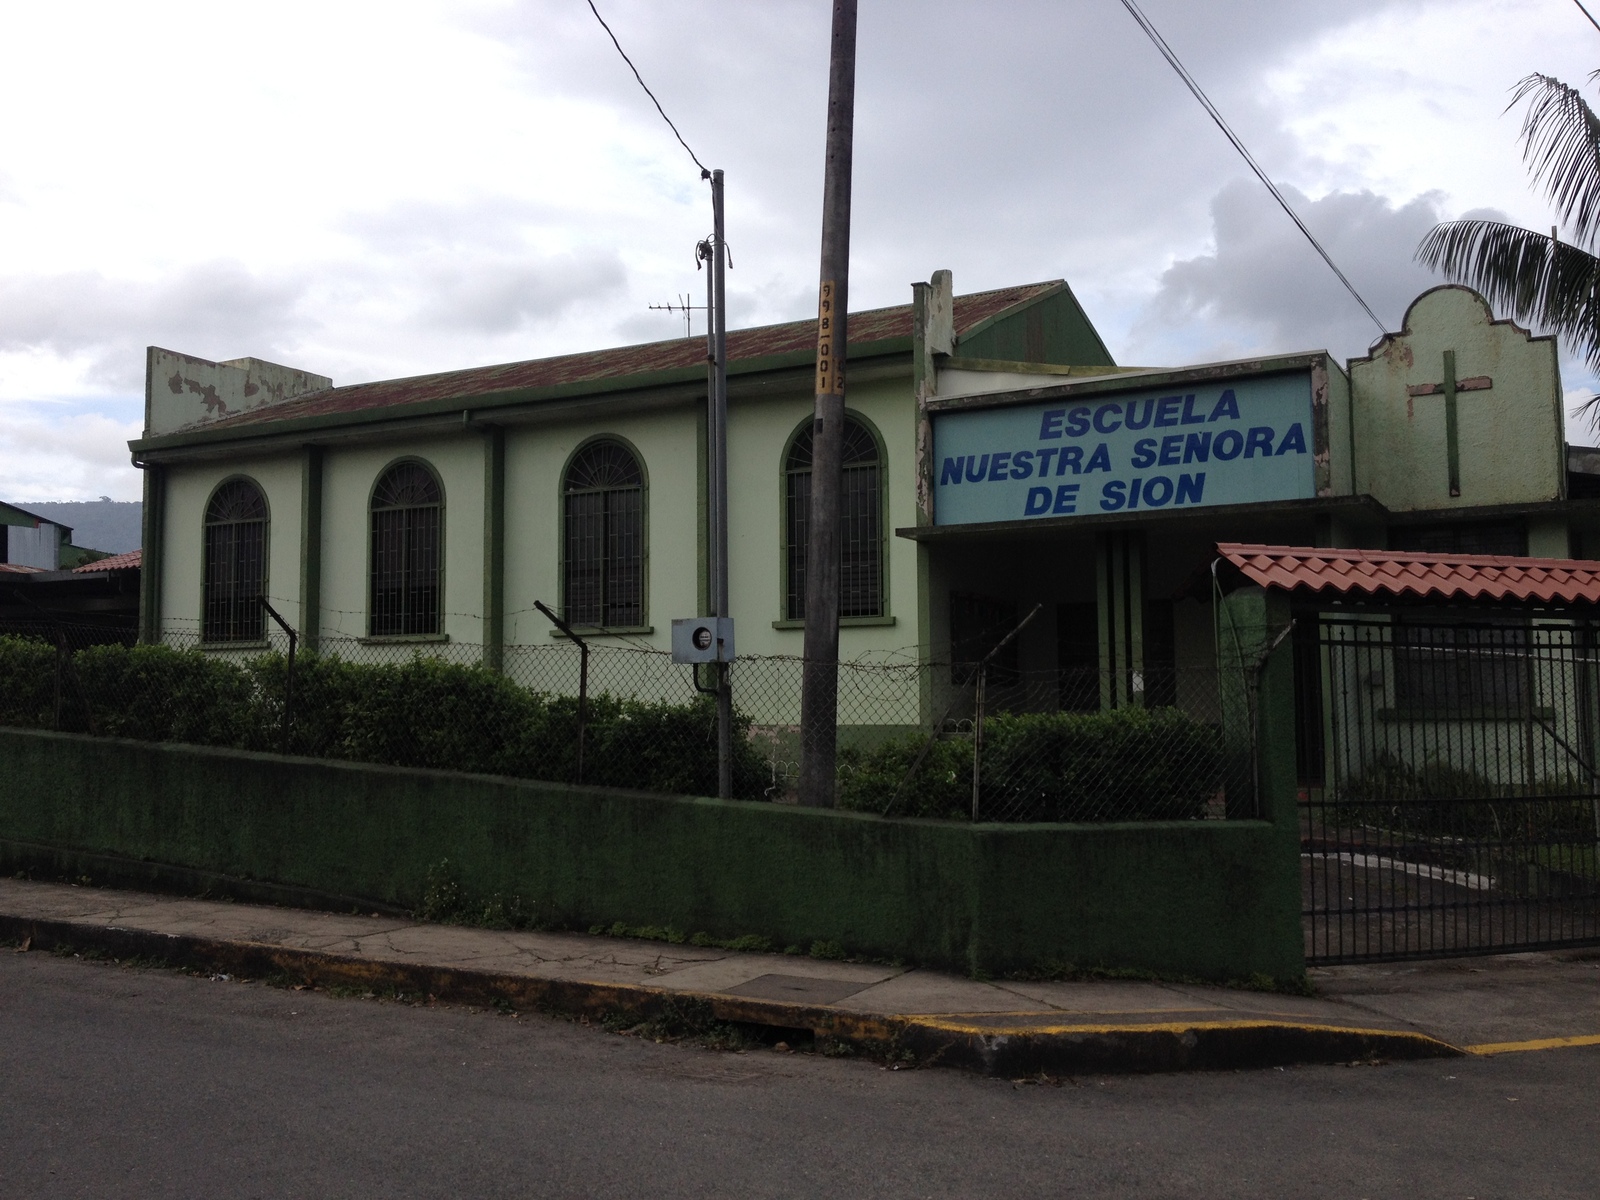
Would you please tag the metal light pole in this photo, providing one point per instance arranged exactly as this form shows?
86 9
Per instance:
819 694
717 437
714 253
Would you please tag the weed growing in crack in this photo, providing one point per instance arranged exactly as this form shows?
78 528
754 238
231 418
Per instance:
684 1020
446 902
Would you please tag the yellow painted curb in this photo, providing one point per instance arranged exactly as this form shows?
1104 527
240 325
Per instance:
1491 1048
948 1026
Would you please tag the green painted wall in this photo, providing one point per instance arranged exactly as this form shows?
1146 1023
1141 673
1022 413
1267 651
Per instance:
1055 330
1194 898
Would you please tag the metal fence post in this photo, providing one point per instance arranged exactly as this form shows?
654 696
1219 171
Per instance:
583 676
977 735
288 683
61 657
583 697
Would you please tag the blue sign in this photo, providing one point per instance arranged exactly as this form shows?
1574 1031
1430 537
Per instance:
1240 442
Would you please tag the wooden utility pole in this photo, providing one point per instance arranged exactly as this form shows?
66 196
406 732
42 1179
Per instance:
819 693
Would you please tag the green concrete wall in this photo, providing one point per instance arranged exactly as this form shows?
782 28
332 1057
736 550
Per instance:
1205 899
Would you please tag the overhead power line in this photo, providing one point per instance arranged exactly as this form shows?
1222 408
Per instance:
1183 73
1587 13
704 173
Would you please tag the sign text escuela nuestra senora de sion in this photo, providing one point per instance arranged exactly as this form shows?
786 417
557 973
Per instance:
1243 443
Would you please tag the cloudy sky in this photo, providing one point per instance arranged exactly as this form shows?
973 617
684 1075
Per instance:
378 189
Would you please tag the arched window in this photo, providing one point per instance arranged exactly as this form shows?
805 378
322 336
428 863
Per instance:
406 507
236 563
603 537
861 523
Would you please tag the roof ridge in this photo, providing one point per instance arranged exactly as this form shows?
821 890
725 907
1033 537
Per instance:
782 343
635 346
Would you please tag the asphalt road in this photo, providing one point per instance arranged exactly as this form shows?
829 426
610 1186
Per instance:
125 1082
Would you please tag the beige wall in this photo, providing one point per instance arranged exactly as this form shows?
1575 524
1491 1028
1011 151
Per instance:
536 459
758 432
189 490
1511 436
667 442
348 479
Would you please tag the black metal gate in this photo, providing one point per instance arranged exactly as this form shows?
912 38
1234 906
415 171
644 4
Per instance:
1448 786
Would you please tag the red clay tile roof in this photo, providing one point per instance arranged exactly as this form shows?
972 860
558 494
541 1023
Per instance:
117 562
19 569
874 325
1441 576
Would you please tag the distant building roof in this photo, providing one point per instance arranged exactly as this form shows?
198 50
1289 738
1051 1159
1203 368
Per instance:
1422 576
10 514
19 569
744 345
117 562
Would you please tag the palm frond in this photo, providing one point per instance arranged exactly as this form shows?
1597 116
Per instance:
1534 278
1588 411
1561 145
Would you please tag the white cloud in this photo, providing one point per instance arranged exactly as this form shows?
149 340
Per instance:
1263 287
376 190
206 308
75 456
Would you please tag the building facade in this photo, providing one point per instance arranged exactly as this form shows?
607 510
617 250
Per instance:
1000 466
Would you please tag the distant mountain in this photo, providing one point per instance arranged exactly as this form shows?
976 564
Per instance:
115 526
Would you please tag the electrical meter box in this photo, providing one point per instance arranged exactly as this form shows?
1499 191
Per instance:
702 639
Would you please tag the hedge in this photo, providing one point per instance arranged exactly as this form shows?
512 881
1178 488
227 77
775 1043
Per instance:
416 713
1127 764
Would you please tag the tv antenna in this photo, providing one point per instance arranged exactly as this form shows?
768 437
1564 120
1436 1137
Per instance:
684 306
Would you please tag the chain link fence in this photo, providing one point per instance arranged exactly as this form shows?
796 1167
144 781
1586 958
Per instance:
967 741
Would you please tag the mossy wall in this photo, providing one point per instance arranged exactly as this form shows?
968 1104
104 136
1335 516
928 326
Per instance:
1201 898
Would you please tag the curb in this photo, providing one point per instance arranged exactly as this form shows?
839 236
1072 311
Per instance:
926 1040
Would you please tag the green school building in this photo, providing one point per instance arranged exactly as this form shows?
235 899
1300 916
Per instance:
999 465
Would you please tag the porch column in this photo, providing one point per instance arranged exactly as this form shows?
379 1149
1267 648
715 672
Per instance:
311 547
494 546
155 496
1119 595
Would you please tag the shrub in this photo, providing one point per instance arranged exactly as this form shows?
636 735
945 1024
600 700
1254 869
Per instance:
1436 798
27 682
1129 764
417 713
670 748
427 713
876 780
158 694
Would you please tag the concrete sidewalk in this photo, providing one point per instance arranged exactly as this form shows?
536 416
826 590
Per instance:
1487 1005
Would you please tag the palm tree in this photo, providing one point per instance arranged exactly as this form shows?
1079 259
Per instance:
1540 279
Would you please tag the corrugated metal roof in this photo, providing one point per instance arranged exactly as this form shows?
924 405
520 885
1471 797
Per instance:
874 325
1424 576
117 562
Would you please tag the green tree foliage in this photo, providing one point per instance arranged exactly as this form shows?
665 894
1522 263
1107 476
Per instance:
1537 278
